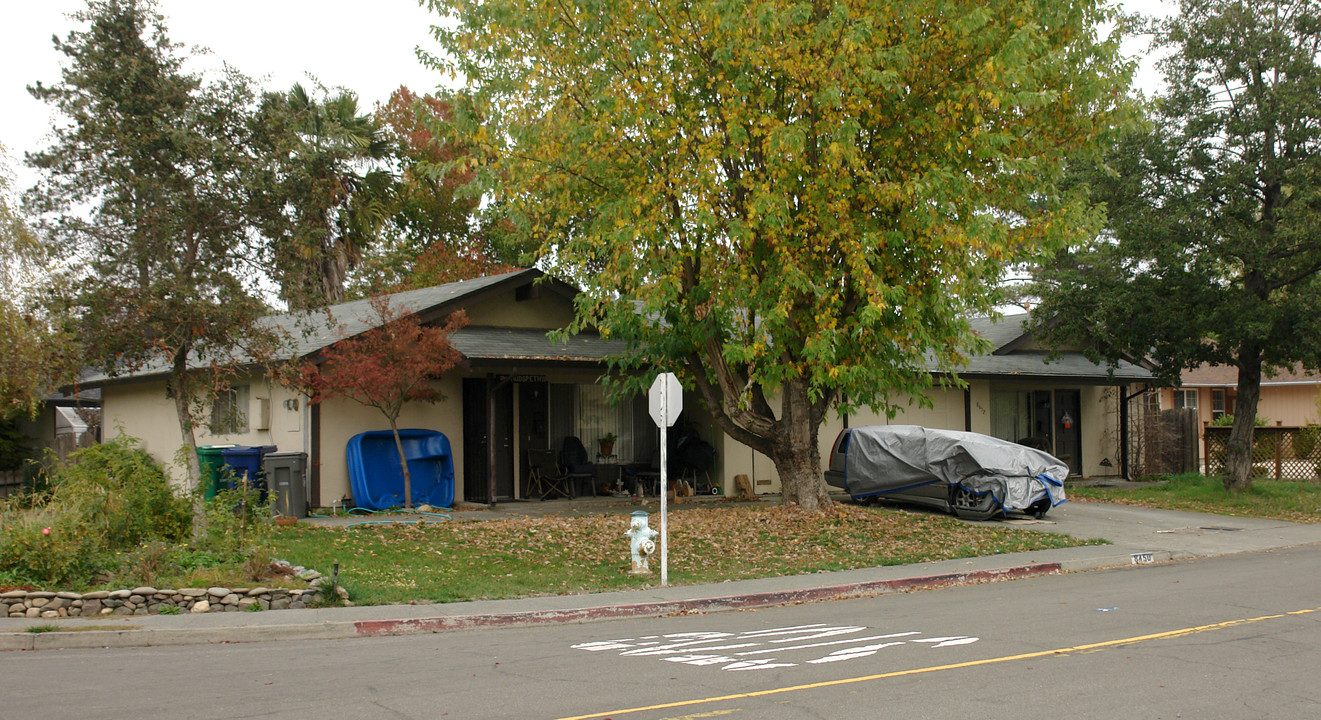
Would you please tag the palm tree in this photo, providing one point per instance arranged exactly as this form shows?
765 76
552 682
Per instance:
330 191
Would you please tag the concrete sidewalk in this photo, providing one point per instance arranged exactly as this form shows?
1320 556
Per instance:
1137 536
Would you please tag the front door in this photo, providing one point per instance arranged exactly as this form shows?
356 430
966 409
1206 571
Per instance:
533 425
1068 429
1049 420
483 400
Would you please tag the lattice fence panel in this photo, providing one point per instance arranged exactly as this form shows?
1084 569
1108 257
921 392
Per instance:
1280 453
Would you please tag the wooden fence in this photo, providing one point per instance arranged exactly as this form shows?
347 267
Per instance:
11 482
1280 453
64 445
1162 442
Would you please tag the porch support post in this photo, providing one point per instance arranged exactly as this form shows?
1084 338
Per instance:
314 461
490 439
491 387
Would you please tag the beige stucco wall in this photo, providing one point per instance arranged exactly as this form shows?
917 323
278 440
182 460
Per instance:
142 410
1288 404
341 419
1100 430
550 310
1099 426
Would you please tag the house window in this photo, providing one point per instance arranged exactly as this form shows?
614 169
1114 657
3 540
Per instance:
598 417
1185 399
229 411
1217 403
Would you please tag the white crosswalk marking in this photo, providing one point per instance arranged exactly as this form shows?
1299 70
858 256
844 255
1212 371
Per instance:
789 646
853 653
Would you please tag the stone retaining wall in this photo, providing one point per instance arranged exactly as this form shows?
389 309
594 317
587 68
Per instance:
151 601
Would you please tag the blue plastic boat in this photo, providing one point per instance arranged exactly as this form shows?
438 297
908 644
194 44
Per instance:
377 481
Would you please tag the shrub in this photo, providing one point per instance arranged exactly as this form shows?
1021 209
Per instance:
46 547
1227 420
146 564
106 499
121 493
1304 441
238 522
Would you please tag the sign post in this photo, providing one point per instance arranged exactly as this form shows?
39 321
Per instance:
665 402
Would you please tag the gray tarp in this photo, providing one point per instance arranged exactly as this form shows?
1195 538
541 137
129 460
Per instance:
886 458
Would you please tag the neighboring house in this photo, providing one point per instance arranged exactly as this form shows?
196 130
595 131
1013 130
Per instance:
1288 398
529 392
65 423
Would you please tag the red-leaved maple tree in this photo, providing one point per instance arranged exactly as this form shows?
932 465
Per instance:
386 367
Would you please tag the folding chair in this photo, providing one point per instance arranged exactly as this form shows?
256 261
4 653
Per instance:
544 476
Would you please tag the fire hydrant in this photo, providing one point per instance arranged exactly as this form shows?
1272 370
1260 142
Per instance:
641 542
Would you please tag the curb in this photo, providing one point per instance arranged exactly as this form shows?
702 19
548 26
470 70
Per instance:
338 630
376 628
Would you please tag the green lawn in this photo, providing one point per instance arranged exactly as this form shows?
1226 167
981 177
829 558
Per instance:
472 560
1281 500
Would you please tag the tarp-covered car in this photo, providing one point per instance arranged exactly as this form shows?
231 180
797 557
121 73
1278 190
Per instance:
971 475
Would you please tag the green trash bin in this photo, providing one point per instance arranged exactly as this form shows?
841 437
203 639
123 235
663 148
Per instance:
211 462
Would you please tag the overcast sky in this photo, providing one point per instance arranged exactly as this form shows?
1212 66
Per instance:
367 47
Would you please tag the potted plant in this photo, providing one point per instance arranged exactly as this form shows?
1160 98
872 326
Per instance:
607 442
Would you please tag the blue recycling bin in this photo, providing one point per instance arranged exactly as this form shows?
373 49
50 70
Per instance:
244 462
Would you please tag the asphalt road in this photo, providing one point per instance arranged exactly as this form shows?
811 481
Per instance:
1229 637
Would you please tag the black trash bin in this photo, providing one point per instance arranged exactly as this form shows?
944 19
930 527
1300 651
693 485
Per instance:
285 472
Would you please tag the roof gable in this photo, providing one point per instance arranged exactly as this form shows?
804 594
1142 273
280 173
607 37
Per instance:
1016 352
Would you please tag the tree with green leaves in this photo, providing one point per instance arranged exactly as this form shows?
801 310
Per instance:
327 194
432 236
36 354
793 205
1213 246
143 192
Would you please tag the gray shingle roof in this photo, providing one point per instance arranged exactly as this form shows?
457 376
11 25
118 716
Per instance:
310 332
1035 363
499 343
316 330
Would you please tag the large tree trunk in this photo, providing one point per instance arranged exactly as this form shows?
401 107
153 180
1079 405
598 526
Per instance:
796 455
180 390
789 440
1238 456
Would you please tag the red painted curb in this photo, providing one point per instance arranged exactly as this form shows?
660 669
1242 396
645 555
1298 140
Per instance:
375 628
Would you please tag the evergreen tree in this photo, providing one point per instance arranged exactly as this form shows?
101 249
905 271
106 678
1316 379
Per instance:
1214 241
144 192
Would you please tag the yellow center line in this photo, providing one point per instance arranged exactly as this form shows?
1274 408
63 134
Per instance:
971 663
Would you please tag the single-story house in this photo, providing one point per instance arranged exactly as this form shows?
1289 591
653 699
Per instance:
1288 397
525 391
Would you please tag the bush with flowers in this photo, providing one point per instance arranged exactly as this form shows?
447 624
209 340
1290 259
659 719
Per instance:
105 499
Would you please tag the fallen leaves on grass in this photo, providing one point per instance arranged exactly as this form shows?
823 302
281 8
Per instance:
558 554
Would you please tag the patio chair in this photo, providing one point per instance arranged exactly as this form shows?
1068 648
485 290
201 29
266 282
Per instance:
576 465
545 476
